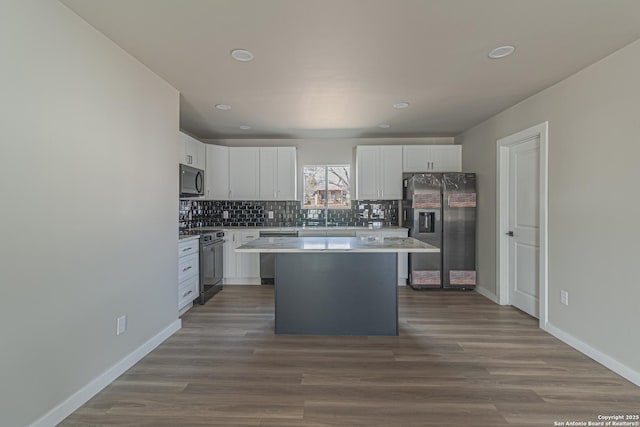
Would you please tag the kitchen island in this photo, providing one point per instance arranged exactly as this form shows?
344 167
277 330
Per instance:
336 285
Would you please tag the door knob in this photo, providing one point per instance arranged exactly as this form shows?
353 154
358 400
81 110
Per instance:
509 233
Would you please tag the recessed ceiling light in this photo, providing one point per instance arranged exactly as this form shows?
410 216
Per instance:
241 55
245 127
384 126
501 52
400 105
223 107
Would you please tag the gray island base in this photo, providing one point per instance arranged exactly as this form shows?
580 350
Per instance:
336 285
336 294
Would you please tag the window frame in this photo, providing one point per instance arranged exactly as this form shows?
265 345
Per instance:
326 206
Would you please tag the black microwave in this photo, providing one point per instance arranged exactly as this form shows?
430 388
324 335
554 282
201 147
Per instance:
191 181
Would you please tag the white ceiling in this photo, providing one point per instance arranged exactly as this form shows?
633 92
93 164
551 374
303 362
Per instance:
333 68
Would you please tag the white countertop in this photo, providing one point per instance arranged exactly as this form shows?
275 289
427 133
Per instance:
335 244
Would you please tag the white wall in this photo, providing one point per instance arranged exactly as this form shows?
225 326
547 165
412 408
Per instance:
88 189
594 208
327 151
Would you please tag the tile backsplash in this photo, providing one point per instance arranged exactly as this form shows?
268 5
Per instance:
223 213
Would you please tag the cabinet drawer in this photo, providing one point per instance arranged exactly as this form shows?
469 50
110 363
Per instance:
187 291
312 233
188 248
187 267
341 233
246 237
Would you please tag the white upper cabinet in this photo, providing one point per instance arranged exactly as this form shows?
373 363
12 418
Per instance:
277 173
286 174
446 158
367 171
216 186
432 158
391 172
192 151
244 173
378 172
268 172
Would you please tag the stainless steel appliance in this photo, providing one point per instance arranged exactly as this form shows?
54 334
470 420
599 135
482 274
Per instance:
210 264
440 209
268 261
191 181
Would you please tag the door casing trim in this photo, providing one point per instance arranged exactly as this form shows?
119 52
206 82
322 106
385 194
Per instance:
540 131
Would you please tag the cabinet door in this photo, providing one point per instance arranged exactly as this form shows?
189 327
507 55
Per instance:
268 173
199 157
248 264
403 268
286 174
446 158
390 172
229 255
183 158
415 158
192 151
244 165
367 172
217 173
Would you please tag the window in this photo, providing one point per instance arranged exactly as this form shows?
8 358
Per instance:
327 187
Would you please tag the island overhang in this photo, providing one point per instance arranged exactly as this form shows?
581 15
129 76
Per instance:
336 244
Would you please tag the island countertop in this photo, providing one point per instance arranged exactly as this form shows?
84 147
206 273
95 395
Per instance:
336 244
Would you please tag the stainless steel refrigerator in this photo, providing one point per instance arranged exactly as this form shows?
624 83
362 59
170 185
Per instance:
440 209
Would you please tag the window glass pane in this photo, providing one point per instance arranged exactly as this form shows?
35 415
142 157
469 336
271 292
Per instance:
339 187
314 187
327 187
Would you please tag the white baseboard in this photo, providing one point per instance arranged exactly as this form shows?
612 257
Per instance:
605 360
489 295
79 398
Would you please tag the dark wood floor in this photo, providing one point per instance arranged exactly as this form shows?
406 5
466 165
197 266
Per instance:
460 360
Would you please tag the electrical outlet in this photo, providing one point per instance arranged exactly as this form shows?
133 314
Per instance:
270 214
225 214
121 325
564 297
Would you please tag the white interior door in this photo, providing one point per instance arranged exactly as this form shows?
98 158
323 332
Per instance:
524 223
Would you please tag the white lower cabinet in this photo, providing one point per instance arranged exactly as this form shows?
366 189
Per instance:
403 258
240 268
188 273
187 292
